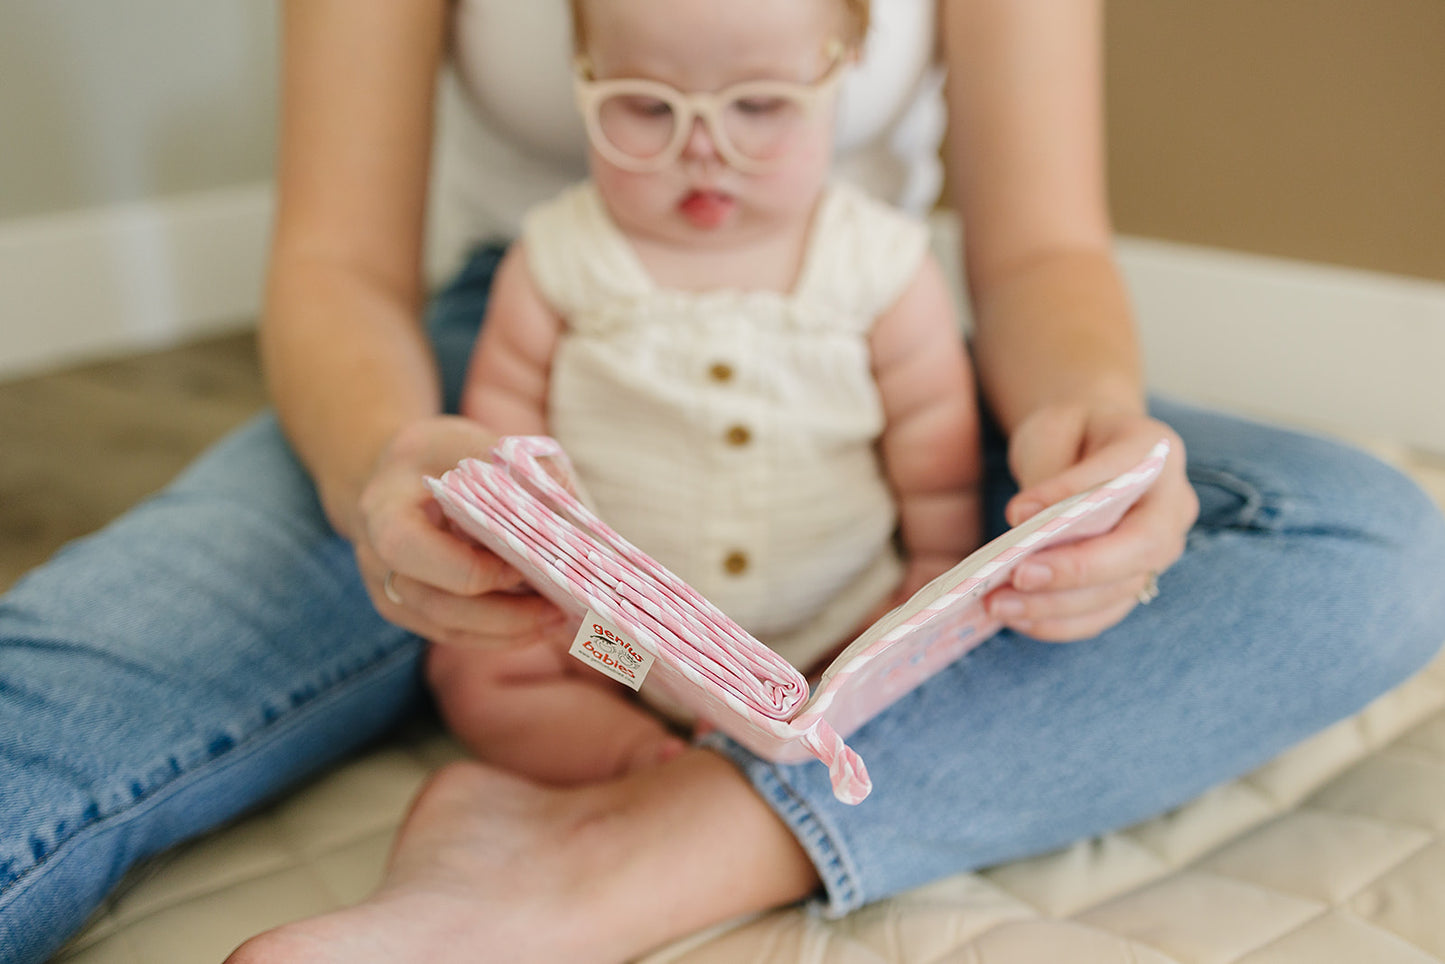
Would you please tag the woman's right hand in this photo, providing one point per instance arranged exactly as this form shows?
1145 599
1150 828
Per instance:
451 590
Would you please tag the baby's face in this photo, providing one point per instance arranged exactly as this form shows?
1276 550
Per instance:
705 46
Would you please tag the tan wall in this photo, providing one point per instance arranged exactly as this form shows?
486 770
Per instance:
1310 129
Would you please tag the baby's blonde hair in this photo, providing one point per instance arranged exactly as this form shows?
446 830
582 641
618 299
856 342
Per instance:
856 11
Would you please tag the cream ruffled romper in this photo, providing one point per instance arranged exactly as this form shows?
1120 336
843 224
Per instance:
732 435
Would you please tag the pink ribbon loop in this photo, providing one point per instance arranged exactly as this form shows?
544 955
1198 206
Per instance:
846 771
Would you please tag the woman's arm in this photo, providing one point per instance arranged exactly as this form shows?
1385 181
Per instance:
341 337
1056 351
1027 172
346 358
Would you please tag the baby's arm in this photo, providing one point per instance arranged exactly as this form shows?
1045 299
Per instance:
506 383
930 446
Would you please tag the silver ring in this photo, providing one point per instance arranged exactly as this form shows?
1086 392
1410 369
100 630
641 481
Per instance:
1150 592
388 586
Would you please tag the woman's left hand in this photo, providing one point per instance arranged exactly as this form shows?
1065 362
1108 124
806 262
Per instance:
1076 591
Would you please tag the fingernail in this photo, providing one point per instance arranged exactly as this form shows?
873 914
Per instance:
1032 575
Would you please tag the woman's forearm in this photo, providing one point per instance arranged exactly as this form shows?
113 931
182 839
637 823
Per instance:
341 336
346 366
1026 170
1056 330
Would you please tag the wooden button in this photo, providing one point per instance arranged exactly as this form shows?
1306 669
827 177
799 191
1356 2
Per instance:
735 563
720 372
739 435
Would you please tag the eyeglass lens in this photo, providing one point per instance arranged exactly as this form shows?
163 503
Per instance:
760 127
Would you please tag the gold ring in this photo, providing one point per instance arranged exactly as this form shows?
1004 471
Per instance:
1150 592
388 586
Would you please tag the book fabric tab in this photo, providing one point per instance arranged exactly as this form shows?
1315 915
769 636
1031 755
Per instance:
610 651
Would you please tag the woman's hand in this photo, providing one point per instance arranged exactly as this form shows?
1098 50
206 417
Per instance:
1075 591
451 590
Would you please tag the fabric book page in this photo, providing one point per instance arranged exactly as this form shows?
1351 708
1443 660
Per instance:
643 626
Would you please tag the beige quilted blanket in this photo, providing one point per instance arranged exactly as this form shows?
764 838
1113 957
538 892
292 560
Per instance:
1332 854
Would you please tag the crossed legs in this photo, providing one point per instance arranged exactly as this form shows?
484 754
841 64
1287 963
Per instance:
487 860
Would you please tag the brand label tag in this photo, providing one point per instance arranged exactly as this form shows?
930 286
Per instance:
611 652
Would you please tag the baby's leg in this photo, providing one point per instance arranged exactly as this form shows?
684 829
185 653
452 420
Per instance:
532 712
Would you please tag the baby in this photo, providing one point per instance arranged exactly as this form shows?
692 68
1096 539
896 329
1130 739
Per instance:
755 371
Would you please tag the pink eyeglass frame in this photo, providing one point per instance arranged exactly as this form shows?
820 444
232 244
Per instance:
687 107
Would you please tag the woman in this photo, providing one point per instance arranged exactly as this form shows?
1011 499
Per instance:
265 614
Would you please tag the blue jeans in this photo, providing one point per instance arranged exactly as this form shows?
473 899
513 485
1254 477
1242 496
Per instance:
215 645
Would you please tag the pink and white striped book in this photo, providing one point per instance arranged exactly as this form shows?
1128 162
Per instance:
642 625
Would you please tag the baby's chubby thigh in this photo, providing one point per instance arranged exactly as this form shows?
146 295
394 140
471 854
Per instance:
486 693
538 712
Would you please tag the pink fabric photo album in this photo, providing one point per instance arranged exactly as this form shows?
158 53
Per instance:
642 625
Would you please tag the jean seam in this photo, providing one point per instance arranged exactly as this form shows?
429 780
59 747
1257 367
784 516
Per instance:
257 742
1261 509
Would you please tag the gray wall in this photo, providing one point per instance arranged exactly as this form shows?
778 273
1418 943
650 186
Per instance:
106 102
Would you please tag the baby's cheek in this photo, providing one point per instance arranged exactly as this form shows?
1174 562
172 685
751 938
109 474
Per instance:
806 169
625 193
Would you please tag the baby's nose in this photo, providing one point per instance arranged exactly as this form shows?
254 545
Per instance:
700 142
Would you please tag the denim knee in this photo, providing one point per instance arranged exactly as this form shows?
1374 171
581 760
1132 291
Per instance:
1409 534
1368 532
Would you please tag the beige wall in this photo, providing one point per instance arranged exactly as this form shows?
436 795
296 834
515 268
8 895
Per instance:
1309 129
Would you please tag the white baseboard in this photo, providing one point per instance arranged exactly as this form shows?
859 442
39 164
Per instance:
1310 344
95 283
1352 351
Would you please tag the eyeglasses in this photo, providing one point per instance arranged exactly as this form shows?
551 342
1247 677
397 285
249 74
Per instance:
642 125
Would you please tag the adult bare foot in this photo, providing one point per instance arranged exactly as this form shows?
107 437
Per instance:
487 863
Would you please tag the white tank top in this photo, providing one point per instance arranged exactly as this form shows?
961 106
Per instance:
510 136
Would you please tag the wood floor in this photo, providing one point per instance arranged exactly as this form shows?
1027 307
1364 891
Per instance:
79 446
